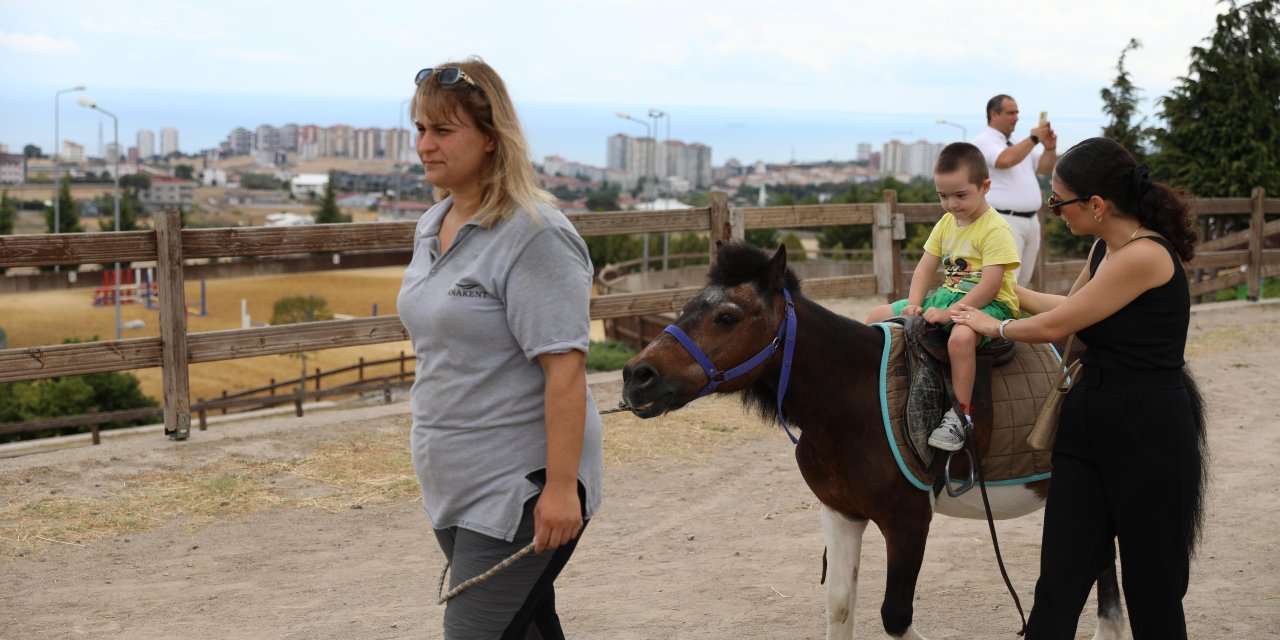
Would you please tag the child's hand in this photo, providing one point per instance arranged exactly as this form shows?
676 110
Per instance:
911 310
934 315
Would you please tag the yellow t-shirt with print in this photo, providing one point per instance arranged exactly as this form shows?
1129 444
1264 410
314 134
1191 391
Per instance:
966 250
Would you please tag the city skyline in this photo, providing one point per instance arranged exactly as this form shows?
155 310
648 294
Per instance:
743 78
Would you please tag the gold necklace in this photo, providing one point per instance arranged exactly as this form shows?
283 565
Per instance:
1135 233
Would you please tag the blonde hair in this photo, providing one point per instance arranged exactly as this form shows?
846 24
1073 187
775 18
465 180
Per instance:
507 181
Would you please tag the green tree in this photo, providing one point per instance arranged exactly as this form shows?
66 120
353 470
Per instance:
1120 104
328 212
295 309
32 151
184 171
68 211
1222 120
795 248
8 214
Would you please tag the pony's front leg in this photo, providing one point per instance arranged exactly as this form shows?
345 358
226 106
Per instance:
904 541
844 551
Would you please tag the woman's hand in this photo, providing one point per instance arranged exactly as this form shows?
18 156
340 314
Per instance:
557 518
963 314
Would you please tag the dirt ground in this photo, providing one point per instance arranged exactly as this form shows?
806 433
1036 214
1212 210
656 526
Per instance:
707 530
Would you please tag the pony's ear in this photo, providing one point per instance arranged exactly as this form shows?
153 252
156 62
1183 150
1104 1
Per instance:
778 267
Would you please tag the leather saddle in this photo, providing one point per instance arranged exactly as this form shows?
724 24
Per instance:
930 394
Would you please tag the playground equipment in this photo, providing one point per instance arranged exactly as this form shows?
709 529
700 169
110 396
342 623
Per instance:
139 285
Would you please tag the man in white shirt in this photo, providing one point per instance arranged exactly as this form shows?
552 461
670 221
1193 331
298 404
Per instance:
1015 192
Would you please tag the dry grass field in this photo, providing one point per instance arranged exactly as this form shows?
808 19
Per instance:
47 318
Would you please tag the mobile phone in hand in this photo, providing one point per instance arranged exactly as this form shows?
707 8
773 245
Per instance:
1044 117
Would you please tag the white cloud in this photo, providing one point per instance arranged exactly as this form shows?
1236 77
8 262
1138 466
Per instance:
40 44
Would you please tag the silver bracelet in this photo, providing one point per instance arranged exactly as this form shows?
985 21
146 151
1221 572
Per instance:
1001 326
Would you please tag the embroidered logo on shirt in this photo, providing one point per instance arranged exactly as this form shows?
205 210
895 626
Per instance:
468 290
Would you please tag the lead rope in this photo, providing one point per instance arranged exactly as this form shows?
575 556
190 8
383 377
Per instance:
442 597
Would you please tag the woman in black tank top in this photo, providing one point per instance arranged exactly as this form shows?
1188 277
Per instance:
1129 460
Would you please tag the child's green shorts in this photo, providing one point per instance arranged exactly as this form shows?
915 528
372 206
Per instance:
943 298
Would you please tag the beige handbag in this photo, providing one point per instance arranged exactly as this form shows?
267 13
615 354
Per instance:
1046 427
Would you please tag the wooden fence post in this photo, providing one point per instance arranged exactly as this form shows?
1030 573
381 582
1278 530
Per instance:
899 233
882 246
1037 276
1256 223
173 325
727 224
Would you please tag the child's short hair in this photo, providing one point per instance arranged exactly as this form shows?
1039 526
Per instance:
962 155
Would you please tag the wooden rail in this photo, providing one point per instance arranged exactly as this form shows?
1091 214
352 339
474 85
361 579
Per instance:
169 245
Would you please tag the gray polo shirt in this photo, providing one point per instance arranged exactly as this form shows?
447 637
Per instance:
478 317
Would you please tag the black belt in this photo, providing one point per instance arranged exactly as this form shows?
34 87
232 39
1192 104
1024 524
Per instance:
1020 214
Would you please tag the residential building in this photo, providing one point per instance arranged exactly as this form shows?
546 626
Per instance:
133 155
266 138
558 166
168 193
239 142
289 137
365 143
309 185
146 143
392 211
168 141
677 165
72 152
13 169
211 177
340 143
864 152
398 145
910 160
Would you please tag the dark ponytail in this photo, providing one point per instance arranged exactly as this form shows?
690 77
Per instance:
1103 167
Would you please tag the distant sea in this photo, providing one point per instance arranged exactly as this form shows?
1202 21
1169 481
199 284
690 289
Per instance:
575 131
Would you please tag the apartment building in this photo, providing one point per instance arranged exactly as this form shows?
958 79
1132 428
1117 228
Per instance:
910 160
146 143
168 141
72 152
13 169
168 193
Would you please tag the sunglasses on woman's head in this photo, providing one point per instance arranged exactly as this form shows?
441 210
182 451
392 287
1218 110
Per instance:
1056 204
445 77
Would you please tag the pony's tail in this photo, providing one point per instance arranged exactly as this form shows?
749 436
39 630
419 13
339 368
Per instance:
1192 498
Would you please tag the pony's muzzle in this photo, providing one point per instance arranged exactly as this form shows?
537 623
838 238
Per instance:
640 376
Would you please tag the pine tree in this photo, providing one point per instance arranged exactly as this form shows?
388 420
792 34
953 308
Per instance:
1222 134
328 212
1120 103
68 211
8 214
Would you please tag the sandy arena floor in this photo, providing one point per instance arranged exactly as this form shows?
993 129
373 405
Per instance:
707 531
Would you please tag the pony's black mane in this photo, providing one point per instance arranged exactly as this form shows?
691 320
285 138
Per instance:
739 262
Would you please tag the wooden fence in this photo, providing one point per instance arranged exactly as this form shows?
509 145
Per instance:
169 246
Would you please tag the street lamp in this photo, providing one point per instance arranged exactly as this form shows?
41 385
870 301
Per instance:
88 103
964 133
57 161
666 149
653 205
395 165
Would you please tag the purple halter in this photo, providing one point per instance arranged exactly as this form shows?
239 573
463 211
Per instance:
786 337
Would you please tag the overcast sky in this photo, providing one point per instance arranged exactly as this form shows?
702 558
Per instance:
190 64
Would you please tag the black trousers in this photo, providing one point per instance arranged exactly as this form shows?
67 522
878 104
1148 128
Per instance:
1125 461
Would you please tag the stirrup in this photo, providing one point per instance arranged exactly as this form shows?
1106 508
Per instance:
946 478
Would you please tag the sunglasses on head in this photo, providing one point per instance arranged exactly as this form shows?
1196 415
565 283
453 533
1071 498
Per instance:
445 77
1056 204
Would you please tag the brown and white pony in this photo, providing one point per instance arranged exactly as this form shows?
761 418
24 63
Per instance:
738 325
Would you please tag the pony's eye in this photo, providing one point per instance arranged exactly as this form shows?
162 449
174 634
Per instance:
726 319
